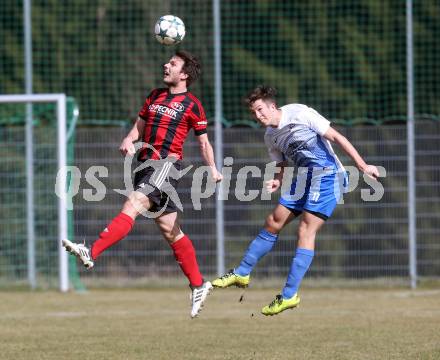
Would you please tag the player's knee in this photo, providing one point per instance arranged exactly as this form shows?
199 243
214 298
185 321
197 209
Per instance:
170 233
168 236
136 204
272 225
305 231
302 230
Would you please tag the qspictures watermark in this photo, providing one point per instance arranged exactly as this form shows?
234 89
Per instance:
204 187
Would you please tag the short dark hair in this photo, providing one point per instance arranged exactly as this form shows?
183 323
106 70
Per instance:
191 66
261 92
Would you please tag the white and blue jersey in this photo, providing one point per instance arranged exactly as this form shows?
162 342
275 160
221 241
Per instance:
321 178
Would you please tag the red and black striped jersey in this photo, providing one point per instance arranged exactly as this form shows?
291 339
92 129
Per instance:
168 120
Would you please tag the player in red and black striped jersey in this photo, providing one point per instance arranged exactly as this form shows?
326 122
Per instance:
168 119
163 125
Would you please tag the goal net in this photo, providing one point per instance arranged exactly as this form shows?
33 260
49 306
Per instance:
36 138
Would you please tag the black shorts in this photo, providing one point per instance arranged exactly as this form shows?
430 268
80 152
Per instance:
157 182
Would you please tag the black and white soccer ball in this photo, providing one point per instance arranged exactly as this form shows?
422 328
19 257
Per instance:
169 30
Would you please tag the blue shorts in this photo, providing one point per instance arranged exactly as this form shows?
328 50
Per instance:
316 190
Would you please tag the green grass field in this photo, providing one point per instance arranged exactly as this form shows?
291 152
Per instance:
155 324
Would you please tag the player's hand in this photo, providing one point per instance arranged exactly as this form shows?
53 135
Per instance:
272 185
216 176
372 171
127 147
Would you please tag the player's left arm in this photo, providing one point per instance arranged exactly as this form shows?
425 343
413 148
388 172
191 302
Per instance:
336 137
199 122
274 184
207 154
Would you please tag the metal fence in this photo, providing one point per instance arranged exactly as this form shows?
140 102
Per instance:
355 62
347 59
362 241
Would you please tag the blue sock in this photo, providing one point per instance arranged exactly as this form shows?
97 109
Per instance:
300 264
259 247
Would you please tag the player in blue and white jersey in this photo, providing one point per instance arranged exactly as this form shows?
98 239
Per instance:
300 134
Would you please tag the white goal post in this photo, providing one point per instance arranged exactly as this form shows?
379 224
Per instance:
60 101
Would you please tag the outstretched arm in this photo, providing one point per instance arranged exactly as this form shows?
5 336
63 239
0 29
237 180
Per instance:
127 146
336 137
208 156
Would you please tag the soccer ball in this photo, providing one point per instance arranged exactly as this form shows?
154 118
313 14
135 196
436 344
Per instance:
169 30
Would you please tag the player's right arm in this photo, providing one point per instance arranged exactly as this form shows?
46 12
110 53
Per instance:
127 146
322 127
336 137
137 130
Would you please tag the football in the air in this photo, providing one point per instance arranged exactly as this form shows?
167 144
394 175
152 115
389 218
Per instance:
169 30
